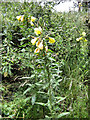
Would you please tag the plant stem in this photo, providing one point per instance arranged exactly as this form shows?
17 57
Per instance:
48 73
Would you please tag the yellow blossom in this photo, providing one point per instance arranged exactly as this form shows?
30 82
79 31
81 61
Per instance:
19 17
38 30
78 39
51 40
80 4
40 46
33 41
83 33
22 18
31 23
85 40
33 19
37 43
37 50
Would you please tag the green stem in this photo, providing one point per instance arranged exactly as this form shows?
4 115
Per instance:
34 63
48 73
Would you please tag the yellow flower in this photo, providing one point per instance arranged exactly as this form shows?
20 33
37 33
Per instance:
83 33
85 40
19 17
46 48
40 46
51 40
22 18
37 43
31 23
33 19
38 30
78 39
33 41
37 50
80 4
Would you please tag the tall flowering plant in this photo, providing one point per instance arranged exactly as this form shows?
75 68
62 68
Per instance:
46 71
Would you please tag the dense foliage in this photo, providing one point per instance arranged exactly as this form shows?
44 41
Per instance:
40 82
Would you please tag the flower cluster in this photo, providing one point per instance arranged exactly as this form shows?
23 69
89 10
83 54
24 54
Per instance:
38 31
82 38
21 18
39 42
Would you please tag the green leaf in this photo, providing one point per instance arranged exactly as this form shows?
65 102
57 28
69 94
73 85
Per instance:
52 59
47 117
22 39
49 105
60 99
33 99
63 114
39 103
26 90
32 76
28 98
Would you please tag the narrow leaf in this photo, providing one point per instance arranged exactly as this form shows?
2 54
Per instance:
63 114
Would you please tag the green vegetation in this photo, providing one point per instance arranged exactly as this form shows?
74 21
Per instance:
43 83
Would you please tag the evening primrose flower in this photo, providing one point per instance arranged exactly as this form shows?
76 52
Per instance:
83 33
78 39
33 19
40 46
37 50
22 18
37 43
51 40
31 23
19 17
80 4
38 30
33 41
85 40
